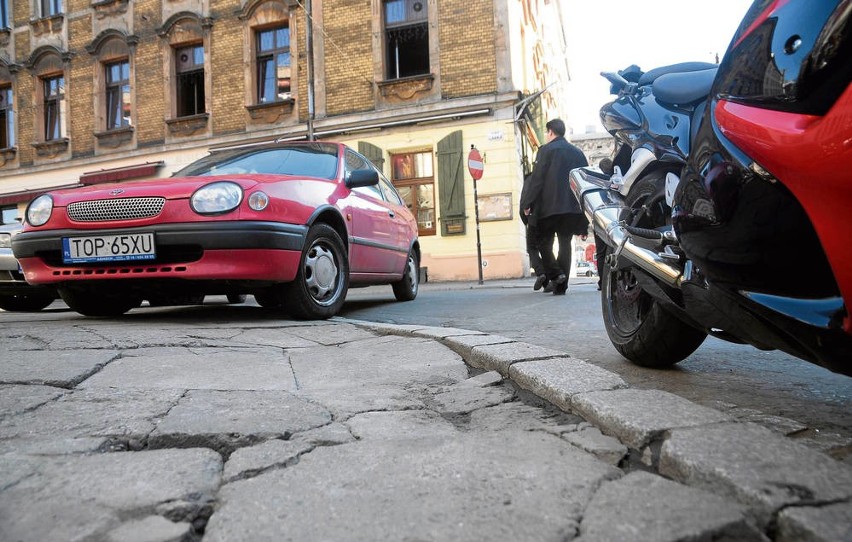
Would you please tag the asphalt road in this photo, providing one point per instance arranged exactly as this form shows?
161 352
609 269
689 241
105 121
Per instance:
813 403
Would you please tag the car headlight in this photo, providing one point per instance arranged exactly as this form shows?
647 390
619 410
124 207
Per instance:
216 198
5 240
38 212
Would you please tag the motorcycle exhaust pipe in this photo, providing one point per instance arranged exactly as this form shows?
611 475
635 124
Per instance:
603 206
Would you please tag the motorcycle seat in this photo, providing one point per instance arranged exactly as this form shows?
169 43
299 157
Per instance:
684 88
683 67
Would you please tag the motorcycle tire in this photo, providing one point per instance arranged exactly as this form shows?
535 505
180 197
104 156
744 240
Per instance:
637 325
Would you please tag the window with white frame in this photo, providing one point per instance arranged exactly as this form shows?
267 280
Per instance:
7 117
117 99
273 64
54 107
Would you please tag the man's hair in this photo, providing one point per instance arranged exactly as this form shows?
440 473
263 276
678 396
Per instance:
556 126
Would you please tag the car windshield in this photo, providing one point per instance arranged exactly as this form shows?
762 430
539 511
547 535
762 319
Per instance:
315 160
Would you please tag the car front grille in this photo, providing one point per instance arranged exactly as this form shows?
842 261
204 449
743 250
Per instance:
115 209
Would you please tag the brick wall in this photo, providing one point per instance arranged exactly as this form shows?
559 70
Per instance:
349 65
468 55
81 123
24 95
150 96
226 56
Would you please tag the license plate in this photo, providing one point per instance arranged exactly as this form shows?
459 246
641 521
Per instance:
109 248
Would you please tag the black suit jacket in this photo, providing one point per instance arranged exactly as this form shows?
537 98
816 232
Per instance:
547 191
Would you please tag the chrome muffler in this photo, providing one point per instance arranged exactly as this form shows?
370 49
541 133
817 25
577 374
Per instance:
603 206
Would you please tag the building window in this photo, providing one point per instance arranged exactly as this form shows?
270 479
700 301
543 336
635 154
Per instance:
189 81
10 214
49 8
273 65
54 107
406 38
117 87
415 183
4 14
7 118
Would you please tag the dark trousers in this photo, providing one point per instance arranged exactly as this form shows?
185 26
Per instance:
562 227
533 250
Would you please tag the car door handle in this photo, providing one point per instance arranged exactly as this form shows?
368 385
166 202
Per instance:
391 213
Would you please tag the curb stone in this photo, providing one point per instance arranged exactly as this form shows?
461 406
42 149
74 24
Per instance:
688 443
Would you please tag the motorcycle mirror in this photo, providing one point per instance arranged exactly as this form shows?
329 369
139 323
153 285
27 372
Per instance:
618 82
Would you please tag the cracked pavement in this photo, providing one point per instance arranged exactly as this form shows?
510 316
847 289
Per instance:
256 428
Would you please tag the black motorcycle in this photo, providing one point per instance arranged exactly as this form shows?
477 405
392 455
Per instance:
724 179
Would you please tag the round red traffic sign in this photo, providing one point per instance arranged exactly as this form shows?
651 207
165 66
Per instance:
474 164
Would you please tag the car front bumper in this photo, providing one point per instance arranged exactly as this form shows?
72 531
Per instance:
234 250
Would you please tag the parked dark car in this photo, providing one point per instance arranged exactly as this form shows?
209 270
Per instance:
15 293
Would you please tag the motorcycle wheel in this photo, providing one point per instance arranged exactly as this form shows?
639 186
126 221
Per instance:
637 325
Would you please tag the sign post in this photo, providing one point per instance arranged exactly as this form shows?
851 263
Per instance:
475 167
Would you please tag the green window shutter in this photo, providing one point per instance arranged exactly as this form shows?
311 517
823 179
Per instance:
451 184
373 154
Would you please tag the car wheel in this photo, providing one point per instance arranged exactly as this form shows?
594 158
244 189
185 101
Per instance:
323 277
92 303
30 302
236 298
406 288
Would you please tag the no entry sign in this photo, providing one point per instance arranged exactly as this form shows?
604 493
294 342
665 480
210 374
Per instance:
474 164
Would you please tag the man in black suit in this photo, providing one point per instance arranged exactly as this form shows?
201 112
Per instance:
548 198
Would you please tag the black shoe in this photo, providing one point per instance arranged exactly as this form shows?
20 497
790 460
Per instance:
549 286
540 281
560 285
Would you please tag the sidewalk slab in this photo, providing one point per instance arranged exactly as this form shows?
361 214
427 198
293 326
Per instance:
499 357
829 523
464 344
87 497
250 368
509 486
643 506
636 417
19 398
558 380
227 420
61 369
754 465
87 418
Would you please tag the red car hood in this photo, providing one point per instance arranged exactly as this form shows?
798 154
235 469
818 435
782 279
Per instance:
169 188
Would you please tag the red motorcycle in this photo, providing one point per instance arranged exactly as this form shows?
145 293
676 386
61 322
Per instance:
727 207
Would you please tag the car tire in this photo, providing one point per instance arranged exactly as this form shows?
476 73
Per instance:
321 283
406 288
236 299
92 303
29 302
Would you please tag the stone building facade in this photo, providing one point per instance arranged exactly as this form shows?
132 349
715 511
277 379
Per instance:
99 91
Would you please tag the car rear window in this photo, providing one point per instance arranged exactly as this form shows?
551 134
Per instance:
317 160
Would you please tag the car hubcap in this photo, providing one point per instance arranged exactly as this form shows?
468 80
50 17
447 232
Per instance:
320 272
412 274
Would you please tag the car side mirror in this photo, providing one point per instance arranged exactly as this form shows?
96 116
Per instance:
362 177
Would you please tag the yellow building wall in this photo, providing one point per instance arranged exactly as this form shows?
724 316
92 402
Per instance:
503 243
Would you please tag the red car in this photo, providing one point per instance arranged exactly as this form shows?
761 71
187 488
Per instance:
294 224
